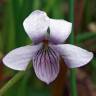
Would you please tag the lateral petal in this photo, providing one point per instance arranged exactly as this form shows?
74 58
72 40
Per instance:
74 56
19 58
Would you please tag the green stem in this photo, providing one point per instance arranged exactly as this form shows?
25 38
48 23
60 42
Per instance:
73 82
73 70
11 82
72 20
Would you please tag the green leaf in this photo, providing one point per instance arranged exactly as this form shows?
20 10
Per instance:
85 36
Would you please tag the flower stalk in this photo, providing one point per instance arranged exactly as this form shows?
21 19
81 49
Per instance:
73 85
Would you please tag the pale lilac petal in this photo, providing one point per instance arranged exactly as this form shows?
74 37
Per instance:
19 58
46 64
74 56
59 30
36 25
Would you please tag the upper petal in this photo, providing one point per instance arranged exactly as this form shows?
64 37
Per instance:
36 25
46 64
74 56
59 30
19 58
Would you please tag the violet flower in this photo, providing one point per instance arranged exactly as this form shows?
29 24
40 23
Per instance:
48 36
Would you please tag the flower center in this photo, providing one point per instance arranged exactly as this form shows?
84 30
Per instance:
45 43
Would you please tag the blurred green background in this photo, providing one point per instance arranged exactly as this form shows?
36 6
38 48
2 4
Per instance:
12 35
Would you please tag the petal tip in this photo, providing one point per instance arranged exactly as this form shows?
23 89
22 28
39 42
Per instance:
91 56
9 65
47 82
